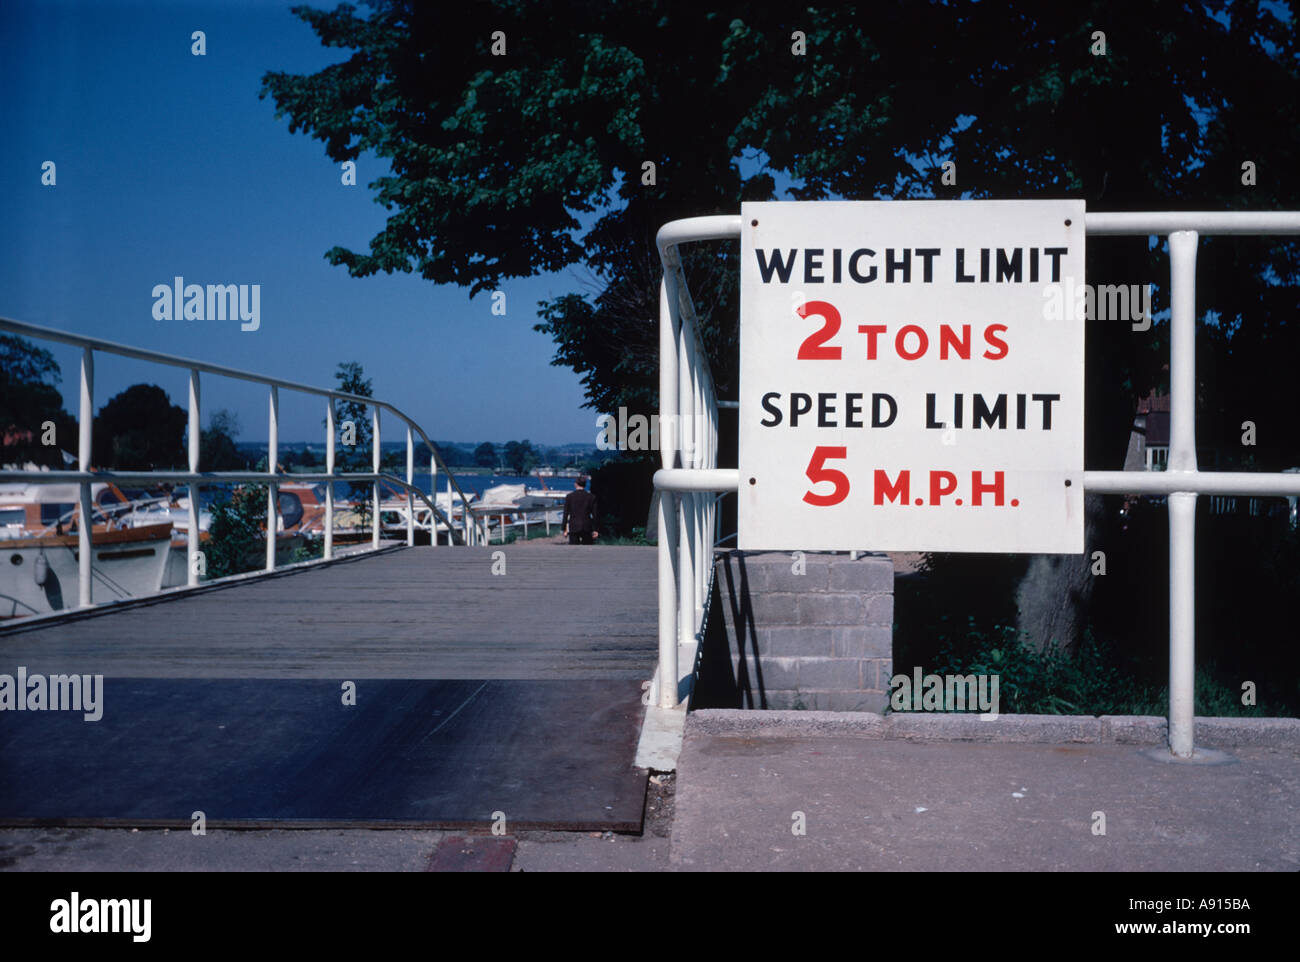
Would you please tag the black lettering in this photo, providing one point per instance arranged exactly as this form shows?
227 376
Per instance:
927 254
1047 400
1055 253
812 261
852 408
962 276
825 410
853 266
876 420
904 266
771 409
930 422
993 417
767 268
1009 267
799 404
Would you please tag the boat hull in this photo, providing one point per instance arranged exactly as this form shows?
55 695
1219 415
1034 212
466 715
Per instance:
127 563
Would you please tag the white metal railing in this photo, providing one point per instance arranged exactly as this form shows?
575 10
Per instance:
196 478
686 386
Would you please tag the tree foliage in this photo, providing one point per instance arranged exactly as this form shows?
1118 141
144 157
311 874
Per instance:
141 430
217 448
29 398
359 456
520 457
505 166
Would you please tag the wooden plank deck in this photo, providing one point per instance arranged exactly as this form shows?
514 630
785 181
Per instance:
558 612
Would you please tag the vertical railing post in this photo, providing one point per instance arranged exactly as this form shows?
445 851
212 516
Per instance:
329 484
451 533
1182 505
410 479
433 496
272 489
690 448
668 627
667 520
374 422
192 536
85 427
701 461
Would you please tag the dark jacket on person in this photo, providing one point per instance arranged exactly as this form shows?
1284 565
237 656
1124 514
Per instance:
580 511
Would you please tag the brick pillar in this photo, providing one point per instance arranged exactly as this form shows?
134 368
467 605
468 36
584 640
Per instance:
820 640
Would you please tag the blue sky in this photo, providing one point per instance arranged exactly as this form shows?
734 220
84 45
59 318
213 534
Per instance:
169 164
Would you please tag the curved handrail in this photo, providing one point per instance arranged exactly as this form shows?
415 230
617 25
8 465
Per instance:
84 477
171 360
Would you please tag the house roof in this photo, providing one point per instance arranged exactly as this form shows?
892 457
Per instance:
1154 403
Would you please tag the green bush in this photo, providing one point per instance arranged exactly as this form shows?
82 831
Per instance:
236 532
1091 681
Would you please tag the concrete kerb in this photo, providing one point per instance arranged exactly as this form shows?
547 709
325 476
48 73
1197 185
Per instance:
1283 733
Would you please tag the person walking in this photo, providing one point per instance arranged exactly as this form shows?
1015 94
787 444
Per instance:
580 514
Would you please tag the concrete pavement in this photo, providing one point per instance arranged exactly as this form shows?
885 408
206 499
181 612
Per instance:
773 791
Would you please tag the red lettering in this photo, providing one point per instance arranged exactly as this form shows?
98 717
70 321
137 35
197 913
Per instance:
900 342
941 483
995 341
818 472
899 490
979 487
871 330
814 347
948 338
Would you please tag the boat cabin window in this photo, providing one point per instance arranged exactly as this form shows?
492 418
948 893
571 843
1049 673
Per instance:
10 516
290 508
52 511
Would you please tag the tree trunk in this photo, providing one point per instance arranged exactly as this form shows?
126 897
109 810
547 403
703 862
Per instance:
1052 599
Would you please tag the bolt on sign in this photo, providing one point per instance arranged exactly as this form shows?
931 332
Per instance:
902 386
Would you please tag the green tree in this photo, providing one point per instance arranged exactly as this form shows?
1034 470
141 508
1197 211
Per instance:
352 380
29 400
355 457
520 456
217 449
716 97
485 455
141 430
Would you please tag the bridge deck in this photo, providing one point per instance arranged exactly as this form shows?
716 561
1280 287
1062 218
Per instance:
556 612
476 693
